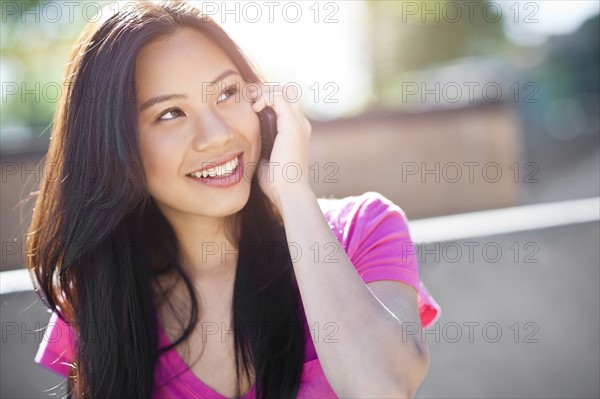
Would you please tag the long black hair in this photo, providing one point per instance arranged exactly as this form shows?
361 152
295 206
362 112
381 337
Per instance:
97 242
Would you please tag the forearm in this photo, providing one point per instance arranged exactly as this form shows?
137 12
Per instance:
367 355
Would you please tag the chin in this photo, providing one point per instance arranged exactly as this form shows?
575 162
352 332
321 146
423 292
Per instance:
230 203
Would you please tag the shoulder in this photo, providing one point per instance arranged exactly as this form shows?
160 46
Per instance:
375 234
358 216
57 349
359 208
369 198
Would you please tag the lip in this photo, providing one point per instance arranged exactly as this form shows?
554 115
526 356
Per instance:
216 162
223 181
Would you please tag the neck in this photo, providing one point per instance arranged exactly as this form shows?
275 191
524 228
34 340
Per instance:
208 246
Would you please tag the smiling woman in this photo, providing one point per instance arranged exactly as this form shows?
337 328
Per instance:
185 124
171 274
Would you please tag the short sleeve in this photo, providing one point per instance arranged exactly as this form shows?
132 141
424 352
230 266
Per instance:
376 237
57 347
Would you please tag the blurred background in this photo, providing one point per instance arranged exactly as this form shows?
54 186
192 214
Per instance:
480 119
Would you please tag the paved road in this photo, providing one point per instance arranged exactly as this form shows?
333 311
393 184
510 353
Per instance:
548 314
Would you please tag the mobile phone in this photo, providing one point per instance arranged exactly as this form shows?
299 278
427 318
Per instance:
268 129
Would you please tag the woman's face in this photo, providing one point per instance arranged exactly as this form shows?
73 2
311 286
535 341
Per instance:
195 123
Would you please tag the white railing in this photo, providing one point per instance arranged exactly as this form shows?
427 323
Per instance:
443 228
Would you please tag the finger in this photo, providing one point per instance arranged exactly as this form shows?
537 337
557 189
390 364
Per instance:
292 97
274 100
257 92
282 99
277 102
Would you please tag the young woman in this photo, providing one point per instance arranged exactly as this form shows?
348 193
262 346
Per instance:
178 263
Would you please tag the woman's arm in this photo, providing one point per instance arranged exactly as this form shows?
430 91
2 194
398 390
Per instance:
371 357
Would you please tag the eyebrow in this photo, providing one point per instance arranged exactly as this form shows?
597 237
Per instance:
165 97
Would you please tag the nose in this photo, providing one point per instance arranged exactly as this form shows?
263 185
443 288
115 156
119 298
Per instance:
210 130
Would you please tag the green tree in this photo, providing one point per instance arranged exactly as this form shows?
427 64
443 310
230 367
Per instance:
409 35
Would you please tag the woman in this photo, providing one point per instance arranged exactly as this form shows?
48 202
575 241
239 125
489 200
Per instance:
178 263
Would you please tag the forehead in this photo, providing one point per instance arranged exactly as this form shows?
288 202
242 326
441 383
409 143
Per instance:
184 58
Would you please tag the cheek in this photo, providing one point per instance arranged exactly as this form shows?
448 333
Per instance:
247 122
158 158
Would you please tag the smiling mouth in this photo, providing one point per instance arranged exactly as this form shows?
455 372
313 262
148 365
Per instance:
222 170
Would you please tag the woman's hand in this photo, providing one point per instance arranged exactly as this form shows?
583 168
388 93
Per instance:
287 170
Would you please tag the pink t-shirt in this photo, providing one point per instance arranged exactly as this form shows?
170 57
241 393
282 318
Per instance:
375 235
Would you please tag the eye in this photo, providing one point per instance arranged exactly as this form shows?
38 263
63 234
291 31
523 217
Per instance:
171 111
228 92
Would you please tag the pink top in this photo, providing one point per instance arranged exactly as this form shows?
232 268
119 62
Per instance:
374 233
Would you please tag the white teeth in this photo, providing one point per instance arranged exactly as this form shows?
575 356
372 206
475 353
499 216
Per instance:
222 170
